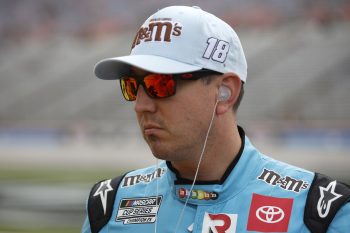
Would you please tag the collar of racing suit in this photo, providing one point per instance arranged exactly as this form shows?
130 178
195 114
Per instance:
241 170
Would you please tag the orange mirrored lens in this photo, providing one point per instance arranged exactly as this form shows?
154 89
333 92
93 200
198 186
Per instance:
160 85
155 85
129 88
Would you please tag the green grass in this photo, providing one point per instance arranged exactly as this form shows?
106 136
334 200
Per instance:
12 229
45 175
50 176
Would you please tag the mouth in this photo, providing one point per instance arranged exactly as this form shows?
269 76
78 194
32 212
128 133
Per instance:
151 129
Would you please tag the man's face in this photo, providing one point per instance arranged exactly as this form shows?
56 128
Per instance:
175 127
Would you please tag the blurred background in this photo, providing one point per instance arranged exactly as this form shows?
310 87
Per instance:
61 129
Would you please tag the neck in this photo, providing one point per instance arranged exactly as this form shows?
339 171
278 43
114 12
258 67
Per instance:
223 147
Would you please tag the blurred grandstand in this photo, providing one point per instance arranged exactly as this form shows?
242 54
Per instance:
55 113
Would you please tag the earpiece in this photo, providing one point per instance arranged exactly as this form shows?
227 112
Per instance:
224 93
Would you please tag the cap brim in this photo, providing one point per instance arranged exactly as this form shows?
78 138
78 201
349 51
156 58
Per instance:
116 67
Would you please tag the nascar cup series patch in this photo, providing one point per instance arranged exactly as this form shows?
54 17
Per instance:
138 210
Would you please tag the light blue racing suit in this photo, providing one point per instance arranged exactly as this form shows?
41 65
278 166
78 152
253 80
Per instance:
256 194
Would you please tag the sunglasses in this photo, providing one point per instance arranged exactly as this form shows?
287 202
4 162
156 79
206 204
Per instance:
158 86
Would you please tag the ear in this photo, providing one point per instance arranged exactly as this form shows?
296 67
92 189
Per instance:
233 83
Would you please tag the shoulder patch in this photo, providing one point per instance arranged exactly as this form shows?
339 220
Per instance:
101 202
326 196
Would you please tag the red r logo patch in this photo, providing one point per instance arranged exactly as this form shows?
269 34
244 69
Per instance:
269 214
219 223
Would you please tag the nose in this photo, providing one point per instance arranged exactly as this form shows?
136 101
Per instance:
143 102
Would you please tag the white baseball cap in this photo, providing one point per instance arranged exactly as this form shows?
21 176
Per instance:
180 39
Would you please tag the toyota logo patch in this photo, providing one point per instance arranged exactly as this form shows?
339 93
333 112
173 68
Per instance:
269 214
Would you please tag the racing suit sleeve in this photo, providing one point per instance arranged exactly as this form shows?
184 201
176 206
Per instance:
86 226
341 221
99 209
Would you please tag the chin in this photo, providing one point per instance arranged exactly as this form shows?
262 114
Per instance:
161 157
160 154
162 149
155 145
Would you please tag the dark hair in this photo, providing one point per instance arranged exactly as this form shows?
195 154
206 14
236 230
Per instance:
207 80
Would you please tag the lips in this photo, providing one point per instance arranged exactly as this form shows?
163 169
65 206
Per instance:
151 126
149 129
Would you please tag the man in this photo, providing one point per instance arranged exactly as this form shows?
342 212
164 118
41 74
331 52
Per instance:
186 73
